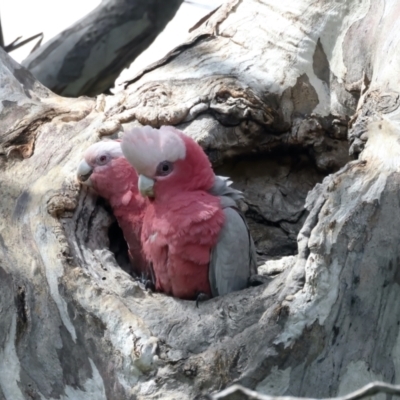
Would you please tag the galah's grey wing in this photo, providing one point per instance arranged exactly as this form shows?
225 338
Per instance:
233 259
252 250
222 187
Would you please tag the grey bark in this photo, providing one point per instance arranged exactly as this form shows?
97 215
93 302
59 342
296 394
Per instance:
277 94
237 392
86 58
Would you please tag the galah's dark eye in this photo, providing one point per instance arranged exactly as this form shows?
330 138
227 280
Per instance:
164 168
102 159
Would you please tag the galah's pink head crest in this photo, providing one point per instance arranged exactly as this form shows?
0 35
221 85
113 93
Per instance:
105 168
145 148
103 152
173 160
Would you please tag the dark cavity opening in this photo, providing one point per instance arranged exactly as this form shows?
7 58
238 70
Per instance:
275 188
119 247
117 243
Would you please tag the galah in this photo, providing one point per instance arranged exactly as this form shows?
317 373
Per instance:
106 170
198 243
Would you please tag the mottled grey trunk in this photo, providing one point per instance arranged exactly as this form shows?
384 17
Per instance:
272 91
86 58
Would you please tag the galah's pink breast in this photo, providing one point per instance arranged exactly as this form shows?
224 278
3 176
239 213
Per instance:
178 237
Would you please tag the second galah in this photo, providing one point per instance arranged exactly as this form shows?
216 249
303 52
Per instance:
106 170
198 243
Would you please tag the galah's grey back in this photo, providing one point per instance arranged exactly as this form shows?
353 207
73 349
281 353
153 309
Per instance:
222 188
234 259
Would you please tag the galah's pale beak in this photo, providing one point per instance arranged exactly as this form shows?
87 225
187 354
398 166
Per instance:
84 172
146 186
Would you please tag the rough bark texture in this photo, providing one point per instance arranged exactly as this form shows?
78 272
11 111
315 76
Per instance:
87 58
269 89
238 392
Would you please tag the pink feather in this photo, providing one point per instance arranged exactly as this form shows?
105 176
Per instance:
116 181
183 221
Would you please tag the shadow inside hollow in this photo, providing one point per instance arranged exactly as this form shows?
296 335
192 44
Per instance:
119 247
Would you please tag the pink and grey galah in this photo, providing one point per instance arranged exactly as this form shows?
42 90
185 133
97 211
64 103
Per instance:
106 170
193 234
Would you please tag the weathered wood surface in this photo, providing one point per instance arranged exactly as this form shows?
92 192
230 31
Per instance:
237 392
269 90
86 58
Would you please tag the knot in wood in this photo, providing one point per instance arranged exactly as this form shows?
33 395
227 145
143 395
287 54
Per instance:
388 102
60 204
64 200
190 370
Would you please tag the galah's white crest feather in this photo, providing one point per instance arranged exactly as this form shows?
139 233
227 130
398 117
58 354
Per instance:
111 147
146 147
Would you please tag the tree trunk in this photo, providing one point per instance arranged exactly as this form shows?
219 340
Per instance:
278 94
87 58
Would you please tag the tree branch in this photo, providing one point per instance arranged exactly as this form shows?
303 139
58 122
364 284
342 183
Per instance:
86 58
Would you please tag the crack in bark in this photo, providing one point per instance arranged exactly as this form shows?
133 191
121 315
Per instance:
169 57
220 14
203 20
23 141
22 312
